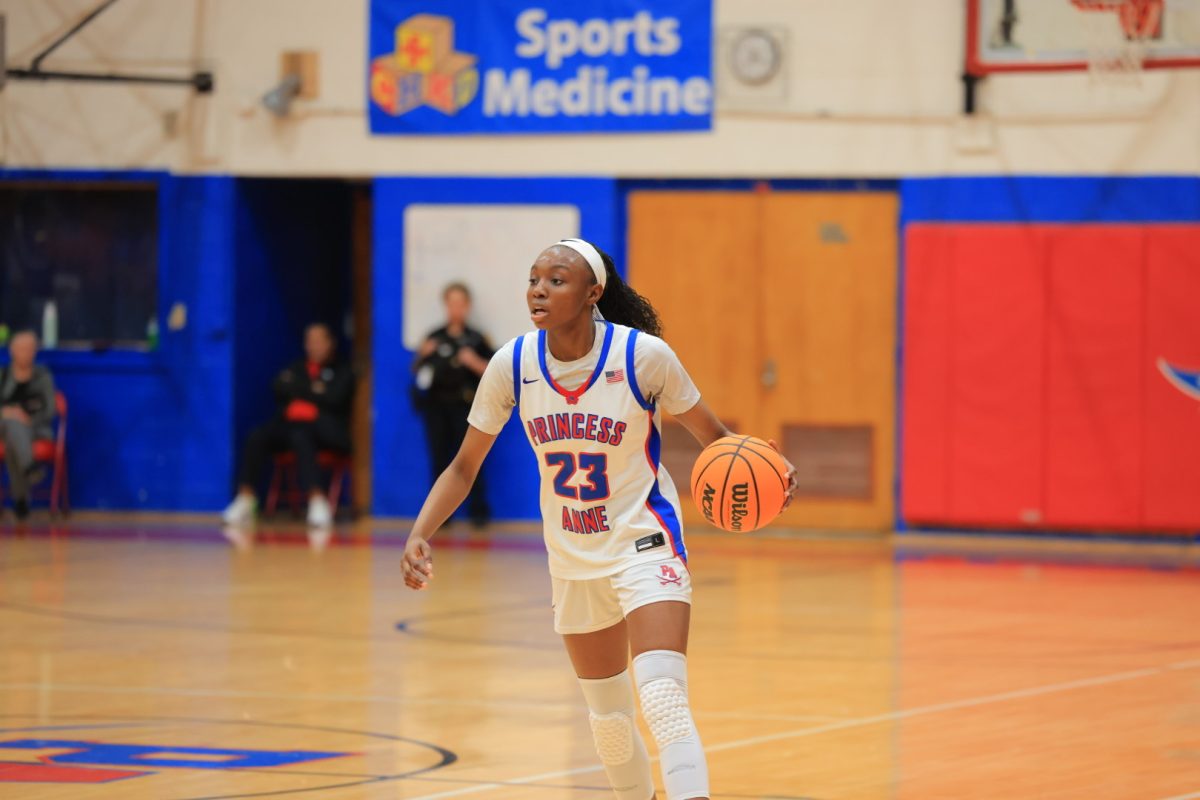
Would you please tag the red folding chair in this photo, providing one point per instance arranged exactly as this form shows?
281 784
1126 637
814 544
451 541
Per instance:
284 480
53 452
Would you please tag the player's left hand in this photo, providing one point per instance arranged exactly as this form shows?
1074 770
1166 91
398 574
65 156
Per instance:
791 474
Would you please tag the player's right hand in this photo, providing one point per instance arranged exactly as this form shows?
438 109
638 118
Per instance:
417 563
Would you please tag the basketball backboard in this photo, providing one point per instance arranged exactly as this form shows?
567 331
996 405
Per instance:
1071 35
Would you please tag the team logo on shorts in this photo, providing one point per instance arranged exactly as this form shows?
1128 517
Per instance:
669 576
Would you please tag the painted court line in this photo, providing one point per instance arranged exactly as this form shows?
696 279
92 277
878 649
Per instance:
938 708
340 698
514 705
1036 691
1192 796
487 787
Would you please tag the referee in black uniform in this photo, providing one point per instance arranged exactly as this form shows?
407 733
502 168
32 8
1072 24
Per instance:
447 371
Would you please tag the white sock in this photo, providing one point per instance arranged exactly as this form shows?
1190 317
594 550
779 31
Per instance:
320 514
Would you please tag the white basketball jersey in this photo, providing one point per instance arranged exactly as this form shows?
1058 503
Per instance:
606 501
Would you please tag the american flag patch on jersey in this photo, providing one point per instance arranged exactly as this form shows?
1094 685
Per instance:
615 376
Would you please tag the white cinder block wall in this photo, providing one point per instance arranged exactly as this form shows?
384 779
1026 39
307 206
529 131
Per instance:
873 91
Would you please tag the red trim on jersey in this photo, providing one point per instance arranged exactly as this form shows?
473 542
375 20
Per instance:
646 446
572 395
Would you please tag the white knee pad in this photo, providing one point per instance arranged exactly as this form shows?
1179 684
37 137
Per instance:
614 737
662 686
618 743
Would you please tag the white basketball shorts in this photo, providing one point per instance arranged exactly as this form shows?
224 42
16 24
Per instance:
593 605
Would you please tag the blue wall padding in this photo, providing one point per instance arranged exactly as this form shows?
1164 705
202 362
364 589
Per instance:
293 268
1035 198
252 261
152 430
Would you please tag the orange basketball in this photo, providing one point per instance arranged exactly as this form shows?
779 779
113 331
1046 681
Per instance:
739 483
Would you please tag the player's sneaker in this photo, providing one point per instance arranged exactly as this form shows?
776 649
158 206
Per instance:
240 511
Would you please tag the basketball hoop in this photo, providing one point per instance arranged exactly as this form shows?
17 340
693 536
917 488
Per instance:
1115 41
1117 32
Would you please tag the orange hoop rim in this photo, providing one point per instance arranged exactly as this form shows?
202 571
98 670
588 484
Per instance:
981 60
1139 18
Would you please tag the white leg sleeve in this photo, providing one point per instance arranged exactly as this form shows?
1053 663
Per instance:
620 746
662 685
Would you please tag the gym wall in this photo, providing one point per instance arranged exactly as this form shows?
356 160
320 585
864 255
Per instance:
1072 328
873 90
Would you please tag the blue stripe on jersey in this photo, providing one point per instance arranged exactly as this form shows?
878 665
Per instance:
631 374
659 504
517 370
608 337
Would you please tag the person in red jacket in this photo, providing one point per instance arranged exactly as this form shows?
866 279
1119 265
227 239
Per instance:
314 396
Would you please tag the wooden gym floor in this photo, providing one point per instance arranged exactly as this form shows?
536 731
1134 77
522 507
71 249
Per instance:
144 658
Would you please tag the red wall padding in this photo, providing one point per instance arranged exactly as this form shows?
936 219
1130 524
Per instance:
1031 391
1094 412
997 320
1171 477
925 399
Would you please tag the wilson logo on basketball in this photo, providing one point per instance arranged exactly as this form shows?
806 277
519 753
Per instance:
740 507
707 502
740 483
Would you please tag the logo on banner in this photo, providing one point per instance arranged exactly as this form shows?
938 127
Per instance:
425 69
1186 381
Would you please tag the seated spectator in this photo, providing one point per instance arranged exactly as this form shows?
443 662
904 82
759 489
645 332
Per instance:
26 414
314 397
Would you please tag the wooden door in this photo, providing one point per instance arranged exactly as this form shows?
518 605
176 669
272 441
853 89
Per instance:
828 289
361 429
692 254
782 308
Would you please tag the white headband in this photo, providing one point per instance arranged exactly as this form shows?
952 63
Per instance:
591 255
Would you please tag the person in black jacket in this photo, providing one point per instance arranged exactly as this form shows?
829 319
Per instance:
26 414
448 367
314 397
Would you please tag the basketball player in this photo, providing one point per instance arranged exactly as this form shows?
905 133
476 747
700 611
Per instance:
590 385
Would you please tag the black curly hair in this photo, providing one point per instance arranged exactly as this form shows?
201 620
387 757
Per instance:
624 306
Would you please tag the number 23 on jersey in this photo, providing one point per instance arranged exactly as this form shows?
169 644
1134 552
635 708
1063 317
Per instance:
590 487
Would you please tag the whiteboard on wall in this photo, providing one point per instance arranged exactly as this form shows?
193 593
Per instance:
489 248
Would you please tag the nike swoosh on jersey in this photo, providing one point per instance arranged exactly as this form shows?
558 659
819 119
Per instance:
526 380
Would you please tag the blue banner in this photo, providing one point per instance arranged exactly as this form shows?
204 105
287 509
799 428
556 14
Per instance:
514 66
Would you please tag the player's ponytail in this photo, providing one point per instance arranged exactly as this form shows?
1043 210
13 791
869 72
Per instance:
624 306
